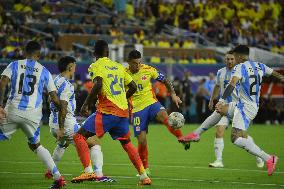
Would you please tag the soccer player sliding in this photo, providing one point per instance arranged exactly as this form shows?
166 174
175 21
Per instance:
246 78
110 81
143 104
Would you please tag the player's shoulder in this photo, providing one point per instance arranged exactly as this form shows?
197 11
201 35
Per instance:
147 67
221 70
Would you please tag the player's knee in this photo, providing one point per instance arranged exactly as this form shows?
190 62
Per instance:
124 141
220 132
92 142
33 147
162 115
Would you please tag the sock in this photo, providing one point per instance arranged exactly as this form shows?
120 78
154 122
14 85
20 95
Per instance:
175 132
218 146
58 153
143 153
134 157
251 147
83 151
97 159
44 155
209 122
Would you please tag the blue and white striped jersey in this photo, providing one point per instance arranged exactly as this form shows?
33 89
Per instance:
250 74
223 79
28 79
65 91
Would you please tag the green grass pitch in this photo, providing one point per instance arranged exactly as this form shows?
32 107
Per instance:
171 166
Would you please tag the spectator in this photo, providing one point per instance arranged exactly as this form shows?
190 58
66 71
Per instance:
201 102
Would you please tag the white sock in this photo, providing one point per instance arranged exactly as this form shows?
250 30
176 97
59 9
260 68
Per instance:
219 146
251 147
97 159
209 122
143 176
58 153
46 158
89 169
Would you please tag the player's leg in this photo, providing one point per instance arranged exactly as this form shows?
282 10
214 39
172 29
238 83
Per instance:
219 142
87 130
119 130
140 121
32 131
7 128
97 159
241 139
211 121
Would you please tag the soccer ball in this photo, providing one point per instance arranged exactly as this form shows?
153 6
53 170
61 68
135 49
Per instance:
176 120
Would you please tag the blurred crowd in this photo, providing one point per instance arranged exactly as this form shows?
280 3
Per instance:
256 23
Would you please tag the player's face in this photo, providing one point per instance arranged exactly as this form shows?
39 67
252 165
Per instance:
72 69
134 65
230 61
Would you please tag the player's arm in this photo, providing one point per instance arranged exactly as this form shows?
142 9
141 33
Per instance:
215 94
93 96
171 89
3 83
278 76
230 88
132 88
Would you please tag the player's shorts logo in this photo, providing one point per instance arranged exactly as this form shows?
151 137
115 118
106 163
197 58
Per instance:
137 128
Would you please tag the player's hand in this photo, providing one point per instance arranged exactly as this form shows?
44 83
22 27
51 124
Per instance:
60 134
176 100
84 110
210 105
3 113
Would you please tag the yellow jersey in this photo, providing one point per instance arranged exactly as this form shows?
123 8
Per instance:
112 97
144 96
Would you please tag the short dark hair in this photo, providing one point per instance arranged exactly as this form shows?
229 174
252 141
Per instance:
100 47
32 46
230 52
134 54
241 49
64 62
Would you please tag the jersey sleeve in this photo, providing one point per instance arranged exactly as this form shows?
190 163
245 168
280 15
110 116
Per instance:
9 70
127 78
237 72
49 82
95 71
218 78
65 92
266 70
155 74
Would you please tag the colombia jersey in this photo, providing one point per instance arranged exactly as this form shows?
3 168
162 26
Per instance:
112 97
144 96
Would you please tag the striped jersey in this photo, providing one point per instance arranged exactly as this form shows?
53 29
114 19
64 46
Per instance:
223 79
250 74
28 79
65 91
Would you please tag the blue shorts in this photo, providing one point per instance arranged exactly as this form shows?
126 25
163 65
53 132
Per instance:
99 123
140 120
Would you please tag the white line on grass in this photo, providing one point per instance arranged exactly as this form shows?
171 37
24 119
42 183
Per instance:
169 179
165 166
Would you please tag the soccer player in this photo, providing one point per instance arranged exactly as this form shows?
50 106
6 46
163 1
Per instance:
66 67
144 105
24 106
109 79
247 78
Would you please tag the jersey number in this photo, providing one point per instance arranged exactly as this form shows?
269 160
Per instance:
31 84
114 82
256 81
136 121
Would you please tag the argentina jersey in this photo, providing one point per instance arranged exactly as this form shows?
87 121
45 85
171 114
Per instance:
250 76
28 79
65 92
223 79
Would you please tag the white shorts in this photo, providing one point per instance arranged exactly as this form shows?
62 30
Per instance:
70 127
13 122
243 115
225 120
